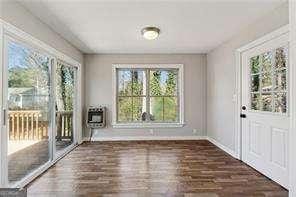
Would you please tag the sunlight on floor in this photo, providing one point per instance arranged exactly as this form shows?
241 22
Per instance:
16 145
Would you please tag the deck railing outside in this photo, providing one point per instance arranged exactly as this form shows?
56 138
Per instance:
64 123
31 125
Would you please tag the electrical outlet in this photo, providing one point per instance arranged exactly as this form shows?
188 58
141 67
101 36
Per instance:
151 131
194 131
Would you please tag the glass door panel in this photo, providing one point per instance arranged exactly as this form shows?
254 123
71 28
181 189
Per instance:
28 100
65 102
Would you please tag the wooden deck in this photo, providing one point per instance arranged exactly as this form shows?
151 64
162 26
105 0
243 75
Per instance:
27 157
24 161
152 168
28 145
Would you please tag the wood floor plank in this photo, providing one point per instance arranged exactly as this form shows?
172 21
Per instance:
153 168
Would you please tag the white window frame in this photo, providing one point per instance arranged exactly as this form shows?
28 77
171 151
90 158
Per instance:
180 123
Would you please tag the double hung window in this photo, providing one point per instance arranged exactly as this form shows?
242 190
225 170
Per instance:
147 95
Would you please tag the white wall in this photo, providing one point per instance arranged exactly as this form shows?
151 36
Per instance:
15 14
98 90
221 76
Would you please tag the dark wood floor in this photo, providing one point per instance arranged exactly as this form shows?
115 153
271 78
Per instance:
152 168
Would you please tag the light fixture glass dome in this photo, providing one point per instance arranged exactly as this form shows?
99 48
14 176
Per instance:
150 33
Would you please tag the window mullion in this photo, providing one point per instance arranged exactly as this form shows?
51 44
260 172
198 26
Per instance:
148 95
260 81
132 96
273 78
163 109
116 94
177 94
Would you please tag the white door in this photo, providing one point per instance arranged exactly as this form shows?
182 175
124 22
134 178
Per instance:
265 117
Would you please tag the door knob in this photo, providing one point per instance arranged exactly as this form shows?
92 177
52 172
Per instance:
243 116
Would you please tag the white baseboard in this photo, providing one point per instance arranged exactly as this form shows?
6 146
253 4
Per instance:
223 147
140 138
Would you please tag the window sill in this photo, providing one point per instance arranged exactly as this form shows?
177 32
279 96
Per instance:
147 125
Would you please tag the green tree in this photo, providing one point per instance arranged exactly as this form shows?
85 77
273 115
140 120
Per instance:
155 88
170 103
33 72
65 87
20 77
164 108
171 83
131 107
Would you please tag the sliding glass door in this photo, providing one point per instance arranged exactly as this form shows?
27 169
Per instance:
28 83
65 105
39 102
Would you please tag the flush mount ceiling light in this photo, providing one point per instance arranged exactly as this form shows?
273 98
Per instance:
150 33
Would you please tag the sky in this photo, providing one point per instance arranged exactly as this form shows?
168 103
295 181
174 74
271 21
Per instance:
17 54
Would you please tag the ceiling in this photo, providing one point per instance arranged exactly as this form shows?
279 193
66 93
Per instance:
114 26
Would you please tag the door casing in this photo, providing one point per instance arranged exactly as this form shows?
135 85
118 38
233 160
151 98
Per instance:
268 151
238 91
238 88
292 137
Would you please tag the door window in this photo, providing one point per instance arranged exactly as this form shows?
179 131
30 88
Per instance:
268 81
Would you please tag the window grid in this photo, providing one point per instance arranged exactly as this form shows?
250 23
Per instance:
131 96
273 74
175 95
148 95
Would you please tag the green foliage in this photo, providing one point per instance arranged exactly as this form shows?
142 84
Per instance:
137 83
266 62
163 108
137 108
125 109
171 84
20 77
269 85
131 107
157 108
255 64
30 69
65 84
280 58
155 88
170 107
33 73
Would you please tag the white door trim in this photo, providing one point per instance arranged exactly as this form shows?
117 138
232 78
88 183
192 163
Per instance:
292 136
2 134
238 55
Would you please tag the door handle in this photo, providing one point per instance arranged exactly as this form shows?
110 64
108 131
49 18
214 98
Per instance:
4 117
243 115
